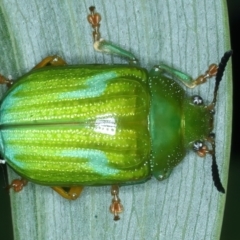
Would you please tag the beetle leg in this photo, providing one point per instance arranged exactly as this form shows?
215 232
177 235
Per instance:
51 61
104 46
211 72
17 184
94 19
186 79
116 207
72 194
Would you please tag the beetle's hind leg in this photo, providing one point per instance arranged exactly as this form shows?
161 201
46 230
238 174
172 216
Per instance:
116 207
71 194
104 46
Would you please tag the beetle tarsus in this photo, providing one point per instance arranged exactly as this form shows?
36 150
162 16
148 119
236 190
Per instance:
17 184
116 207
94 19
211 72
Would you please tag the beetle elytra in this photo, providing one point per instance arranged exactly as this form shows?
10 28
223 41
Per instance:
93 125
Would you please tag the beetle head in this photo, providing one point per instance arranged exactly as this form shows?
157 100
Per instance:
199 124
198 120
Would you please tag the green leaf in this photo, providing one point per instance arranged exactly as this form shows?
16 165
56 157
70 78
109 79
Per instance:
188 35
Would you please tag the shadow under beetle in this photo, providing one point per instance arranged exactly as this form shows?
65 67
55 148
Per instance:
93 125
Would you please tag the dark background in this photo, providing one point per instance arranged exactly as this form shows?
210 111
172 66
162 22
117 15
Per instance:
231 222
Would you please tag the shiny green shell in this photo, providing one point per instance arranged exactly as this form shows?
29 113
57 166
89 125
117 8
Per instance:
94 125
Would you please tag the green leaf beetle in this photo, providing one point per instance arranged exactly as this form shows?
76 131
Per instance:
93 125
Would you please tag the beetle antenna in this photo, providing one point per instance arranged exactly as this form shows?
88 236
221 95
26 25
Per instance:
215 172
221 67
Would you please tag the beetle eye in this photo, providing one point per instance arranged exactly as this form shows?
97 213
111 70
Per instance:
198 145
197 100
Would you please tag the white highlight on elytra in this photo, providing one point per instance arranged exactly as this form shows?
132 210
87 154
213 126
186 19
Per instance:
106 125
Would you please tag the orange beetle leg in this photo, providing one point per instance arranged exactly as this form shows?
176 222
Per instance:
17 184
116 207
72 194
51 61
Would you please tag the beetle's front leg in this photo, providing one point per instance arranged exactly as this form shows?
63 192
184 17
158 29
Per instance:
186 79
51 61
104 46
72 194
